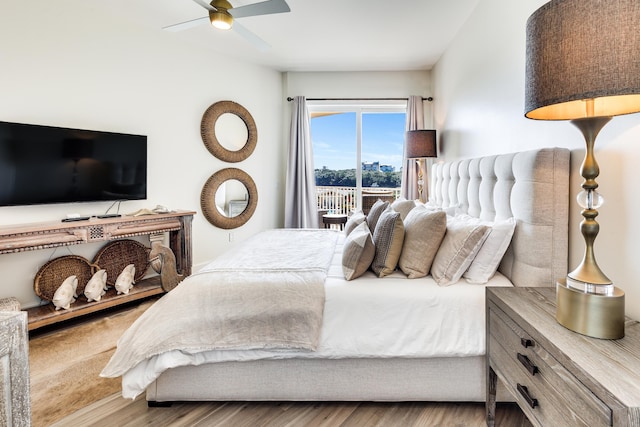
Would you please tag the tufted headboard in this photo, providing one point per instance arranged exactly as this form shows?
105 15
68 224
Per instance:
533 187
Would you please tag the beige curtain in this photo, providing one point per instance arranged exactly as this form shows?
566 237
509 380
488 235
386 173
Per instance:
415 121
301 208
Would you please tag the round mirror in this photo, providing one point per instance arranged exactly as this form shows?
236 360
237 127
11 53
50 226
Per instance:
232 198
229 198
228 131
231 131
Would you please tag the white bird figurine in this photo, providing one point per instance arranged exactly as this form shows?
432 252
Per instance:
125 280
97 286
65 295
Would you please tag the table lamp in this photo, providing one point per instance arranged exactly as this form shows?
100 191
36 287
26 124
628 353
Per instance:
582 65
421 144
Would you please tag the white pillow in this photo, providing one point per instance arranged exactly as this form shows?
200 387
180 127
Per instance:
403 206
461 243
488 259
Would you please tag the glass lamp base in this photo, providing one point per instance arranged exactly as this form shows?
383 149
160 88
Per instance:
596 315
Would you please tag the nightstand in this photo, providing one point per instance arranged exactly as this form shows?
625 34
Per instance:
558 377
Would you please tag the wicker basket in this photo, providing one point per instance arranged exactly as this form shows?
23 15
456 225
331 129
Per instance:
116 255
54 272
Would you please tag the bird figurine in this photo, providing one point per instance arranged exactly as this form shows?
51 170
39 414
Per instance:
97 286
65 295
125 280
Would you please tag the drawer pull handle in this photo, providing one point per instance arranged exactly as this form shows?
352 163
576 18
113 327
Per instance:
526 342
533 369
525 393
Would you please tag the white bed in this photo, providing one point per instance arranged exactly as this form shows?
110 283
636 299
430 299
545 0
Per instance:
390 338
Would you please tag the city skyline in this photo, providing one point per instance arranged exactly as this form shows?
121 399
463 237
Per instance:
334 140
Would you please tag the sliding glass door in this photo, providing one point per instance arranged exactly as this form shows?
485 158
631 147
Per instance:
357 153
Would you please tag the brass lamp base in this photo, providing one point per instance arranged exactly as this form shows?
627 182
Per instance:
594 315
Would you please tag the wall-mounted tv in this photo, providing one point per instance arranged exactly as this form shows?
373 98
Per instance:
44 164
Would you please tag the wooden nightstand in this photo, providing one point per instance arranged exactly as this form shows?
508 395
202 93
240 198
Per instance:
559 377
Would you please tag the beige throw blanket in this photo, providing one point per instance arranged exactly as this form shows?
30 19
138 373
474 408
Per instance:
267 293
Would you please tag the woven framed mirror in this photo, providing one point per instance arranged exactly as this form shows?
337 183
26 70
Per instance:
229 131
229 198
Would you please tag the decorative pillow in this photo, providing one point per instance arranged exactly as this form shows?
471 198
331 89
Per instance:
374 213
403 206
358 252
387 238
488 259
354 220
459 247
423 233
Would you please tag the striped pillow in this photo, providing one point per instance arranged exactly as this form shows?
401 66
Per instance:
374 213
387 238
358 252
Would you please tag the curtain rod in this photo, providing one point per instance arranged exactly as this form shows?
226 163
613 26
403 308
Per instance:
361 99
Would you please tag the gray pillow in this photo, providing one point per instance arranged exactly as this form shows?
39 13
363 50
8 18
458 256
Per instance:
387 238
374 213
358 252
459 247
354 220
424 230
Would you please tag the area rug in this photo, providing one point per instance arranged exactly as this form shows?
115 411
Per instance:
65 364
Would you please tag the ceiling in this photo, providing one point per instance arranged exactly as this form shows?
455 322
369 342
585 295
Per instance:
318 35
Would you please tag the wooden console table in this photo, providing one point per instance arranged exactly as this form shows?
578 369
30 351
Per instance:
29 237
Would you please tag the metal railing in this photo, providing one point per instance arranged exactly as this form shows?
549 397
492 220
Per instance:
343 200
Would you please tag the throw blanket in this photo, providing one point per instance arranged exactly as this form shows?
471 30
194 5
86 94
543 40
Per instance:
267 293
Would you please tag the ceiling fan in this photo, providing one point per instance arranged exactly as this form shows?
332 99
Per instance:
223 15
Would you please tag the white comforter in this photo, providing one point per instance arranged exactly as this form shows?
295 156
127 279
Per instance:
365 318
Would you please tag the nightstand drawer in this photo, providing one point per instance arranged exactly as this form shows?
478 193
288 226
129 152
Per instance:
520 360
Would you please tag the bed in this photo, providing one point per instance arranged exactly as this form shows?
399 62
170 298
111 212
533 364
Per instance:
389 338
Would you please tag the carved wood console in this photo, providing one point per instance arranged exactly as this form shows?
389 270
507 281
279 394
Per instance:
29 237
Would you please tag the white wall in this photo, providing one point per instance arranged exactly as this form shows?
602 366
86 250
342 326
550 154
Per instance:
363 85
382 84
62 64
479 110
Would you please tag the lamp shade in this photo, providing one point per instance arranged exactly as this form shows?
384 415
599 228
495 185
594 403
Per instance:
583 59
421 143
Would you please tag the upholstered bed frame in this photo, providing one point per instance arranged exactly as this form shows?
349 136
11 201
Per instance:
532 186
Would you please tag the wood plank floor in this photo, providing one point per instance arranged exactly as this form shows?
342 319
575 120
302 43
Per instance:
66 391
116 411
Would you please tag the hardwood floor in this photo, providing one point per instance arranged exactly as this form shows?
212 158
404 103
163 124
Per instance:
66 391
116 411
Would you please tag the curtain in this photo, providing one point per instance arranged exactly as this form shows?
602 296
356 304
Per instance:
415 121
301 209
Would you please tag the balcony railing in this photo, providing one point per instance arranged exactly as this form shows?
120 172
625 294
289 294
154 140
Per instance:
343 200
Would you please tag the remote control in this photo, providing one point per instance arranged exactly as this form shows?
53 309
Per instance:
76 218
109 216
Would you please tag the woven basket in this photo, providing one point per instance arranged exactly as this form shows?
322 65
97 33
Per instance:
54 272
116 255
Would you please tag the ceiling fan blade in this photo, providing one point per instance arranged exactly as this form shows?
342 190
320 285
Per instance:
252 38
186 25
205 4
263 8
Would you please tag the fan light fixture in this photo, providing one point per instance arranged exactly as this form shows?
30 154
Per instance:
582 66
220 17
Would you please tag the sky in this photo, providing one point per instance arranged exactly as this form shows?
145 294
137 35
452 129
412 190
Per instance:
334 139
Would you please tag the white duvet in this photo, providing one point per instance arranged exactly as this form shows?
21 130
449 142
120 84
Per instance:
368 317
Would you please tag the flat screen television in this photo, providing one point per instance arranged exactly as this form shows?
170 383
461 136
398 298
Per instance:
44 164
